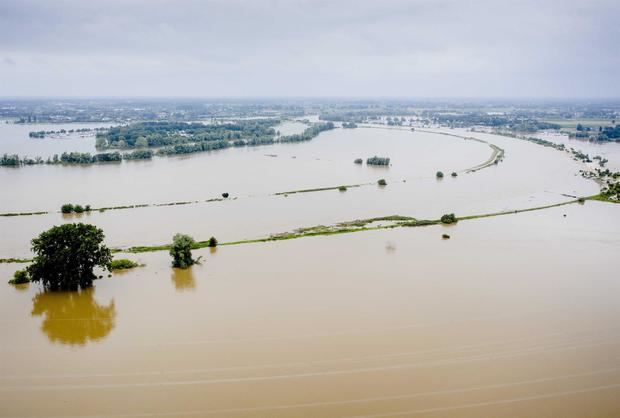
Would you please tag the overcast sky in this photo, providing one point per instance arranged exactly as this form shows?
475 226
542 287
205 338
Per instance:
354 48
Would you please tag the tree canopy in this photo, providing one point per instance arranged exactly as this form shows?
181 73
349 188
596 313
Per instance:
181 251
66 255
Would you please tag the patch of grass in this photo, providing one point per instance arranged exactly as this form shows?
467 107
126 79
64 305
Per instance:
601 198
319 189
23 213
123 264
15 260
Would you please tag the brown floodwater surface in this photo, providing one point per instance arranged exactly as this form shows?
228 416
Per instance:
512 316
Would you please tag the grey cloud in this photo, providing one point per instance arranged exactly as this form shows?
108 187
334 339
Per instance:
310 47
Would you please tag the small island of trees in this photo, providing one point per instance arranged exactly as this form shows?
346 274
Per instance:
378 160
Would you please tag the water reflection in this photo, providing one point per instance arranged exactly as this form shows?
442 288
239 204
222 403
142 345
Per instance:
73 318
183 279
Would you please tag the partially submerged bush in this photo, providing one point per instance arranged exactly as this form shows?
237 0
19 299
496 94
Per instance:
123 264
454 174
342 188
225 195
382 182
448 218
212 242
358 161
439 175
66 208
20 277
78 209
445 236
181 251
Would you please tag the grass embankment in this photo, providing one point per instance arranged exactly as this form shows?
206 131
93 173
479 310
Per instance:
393 221
320 189
572 123
15 260
120 207
496 156
358 225
602 198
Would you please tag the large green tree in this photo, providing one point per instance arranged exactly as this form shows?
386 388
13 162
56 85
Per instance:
66 255
181 251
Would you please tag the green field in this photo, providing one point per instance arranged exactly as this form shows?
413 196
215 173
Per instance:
572 123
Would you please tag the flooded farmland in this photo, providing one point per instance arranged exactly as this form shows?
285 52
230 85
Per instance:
513 315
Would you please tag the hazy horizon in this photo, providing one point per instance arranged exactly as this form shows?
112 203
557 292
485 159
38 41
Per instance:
393 49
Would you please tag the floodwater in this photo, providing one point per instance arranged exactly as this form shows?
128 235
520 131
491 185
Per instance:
529 176
14 139
608 150
513 316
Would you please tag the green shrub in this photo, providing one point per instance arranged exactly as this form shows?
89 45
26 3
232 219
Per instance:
225 195
66 208
87 208
123 264
20 277
439 175
382 182
448 218
212 242
78 208
342 188
358 161
445 236
454 174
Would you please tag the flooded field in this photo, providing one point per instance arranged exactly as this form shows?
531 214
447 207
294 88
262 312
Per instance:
529 176
513 316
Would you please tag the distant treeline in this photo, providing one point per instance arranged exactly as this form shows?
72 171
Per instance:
14 160
190 144
43 134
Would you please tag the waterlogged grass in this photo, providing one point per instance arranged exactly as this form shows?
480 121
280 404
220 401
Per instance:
358 225
320 189
123 264
119 207
602 198
385 222
24 213
15 260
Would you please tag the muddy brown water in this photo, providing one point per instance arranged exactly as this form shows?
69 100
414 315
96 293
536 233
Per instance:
512 316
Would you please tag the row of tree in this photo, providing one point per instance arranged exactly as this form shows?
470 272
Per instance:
66 256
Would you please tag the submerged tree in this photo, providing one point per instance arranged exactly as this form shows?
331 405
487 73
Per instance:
66 256
181 251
